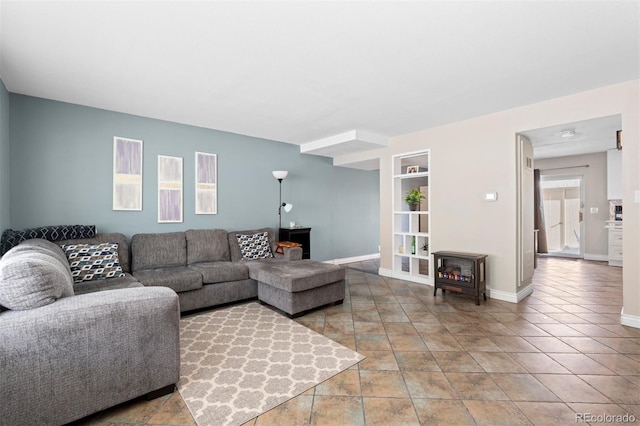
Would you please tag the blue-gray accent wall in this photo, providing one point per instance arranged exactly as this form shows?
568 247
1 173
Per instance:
5 218
62 173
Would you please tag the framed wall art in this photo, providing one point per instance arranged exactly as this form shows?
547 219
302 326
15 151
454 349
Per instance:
206 183
127 174
169 189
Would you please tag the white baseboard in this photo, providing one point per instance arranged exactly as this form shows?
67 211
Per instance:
522 294
598 257
354 259
510 297
629 320
405 277
384 272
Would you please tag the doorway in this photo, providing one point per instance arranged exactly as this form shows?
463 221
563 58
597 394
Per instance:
563 204
557 153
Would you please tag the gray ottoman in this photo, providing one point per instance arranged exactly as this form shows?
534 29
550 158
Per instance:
297 286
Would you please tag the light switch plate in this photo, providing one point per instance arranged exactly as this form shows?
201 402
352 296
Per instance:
491 196
593 210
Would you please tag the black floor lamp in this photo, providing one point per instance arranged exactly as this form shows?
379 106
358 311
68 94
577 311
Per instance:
280 175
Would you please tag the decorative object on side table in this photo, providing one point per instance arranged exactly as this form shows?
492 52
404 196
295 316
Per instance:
280 175
413 199
281 245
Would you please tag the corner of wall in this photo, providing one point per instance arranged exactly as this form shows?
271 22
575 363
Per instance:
629 320
508 296
5 218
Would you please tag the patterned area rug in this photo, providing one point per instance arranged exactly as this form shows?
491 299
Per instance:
238 362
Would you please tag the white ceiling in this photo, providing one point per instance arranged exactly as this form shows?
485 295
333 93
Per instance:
595 135
305 71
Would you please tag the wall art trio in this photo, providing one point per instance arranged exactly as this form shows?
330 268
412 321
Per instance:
127 181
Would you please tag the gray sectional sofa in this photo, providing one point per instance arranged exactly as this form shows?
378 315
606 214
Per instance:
205 267
80 336
68 351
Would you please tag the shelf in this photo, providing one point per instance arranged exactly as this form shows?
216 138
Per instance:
411 212
411 223
413 256
411 228
411 175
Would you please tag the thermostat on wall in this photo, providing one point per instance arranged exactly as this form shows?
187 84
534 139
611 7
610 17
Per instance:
491 196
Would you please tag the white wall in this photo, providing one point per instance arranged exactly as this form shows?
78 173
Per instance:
467 159
475 156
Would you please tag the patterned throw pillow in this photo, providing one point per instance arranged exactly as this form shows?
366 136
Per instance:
254 246
11 238
90 262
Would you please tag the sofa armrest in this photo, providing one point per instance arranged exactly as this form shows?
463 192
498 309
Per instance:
290 253
85 353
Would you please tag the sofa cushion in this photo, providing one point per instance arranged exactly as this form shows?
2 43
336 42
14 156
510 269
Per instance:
126 281
90 262
83 354
295 276
178 279
109 237
207 245
219 272
38 245
41 245
161 250
31 277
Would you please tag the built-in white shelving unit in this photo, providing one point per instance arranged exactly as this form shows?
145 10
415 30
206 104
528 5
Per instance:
411 171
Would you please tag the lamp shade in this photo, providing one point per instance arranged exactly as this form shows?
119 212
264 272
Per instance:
280 174
287 207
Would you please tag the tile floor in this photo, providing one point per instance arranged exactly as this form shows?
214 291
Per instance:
558 355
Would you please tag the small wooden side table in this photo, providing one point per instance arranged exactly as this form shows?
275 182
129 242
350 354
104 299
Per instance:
298 234
281 245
